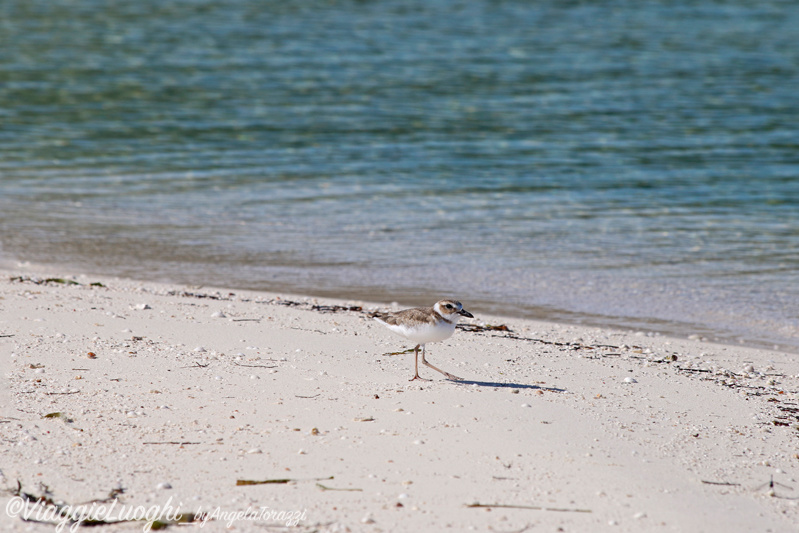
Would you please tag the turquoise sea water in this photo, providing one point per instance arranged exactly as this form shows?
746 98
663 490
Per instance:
633 164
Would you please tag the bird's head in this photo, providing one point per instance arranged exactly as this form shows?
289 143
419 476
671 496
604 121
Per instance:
450 309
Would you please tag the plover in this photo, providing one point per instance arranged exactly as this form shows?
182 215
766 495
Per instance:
425 324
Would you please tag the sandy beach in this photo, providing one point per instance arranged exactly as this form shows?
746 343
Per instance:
215 402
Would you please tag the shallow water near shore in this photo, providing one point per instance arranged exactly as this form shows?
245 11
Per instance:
640 172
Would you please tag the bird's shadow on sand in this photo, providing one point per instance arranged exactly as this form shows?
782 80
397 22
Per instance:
505 385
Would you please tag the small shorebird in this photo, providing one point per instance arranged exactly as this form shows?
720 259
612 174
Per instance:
426 324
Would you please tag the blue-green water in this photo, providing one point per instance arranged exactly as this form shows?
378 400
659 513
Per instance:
609 162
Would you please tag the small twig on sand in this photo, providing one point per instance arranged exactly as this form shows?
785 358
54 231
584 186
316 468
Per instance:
254 366
703 370
172 442
280 481
409 350
323 487
531 507
197 364
724 483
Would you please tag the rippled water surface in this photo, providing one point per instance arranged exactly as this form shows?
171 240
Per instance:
607 162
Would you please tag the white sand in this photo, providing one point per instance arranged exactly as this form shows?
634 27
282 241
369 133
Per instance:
269 391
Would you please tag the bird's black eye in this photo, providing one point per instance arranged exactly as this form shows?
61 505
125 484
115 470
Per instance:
448 306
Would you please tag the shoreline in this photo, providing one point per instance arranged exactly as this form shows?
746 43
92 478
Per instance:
557 426
542 313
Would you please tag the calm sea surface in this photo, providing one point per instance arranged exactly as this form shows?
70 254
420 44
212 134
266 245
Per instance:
615 163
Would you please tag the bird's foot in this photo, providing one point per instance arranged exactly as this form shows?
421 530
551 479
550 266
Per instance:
419 378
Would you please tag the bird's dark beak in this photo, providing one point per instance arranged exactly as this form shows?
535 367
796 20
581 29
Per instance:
465 313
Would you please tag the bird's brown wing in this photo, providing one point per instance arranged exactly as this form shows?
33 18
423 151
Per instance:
421 314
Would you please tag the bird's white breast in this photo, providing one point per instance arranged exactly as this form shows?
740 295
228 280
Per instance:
423 333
